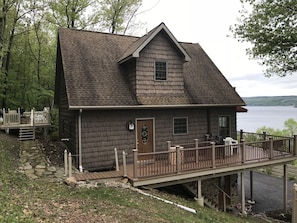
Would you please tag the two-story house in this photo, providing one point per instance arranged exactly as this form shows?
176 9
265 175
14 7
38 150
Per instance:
116 91
147 95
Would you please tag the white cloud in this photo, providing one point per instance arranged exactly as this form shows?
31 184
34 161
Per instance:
207 23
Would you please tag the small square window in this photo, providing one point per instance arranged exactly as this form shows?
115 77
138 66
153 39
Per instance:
180 126
160 71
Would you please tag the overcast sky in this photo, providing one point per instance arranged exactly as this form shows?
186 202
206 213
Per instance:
207 22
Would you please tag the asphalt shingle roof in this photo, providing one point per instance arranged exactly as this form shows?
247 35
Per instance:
93 76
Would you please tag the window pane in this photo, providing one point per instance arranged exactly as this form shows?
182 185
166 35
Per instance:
180 125
224 128
160 71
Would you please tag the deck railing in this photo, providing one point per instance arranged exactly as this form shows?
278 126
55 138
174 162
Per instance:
15 117
179 159
11 118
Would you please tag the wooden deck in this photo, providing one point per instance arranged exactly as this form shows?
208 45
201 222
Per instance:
186 165
15 119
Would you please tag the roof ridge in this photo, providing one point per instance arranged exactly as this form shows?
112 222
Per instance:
98 32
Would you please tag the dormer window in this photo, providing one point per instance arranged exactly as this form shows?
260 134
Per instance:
160 71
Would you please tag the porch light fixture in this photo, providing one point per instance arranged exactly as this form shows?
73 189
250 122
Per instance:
131 126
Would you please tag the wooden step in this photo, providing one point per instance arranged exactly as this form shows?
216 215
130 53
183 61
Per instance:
26 134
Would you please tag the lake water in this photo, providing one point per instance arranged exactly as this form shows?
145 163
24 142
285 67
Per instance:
269 116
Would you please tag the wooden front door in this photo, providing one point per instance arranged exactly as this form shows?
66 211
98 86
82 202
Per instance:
145 137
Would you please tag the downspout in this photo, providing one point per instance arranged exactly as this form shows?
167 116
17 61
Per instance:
79 142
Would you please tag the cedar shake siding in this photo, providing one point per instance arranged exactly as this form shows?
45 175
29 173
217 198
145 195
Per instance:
104 130
106 80
159 49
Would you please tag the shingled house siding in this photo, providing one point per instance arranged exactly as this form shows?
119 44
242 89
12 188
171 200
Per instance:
159 49
104 130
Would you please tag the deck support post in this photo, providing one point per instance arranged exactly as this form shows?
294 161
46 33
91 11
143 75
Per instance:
270 148
242 194
294 208
196 148
252 187
295 145
199 199
285 188
213 154
135 163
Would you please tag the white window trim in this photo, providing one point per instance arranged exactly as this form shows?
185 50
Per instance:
160 61
187 126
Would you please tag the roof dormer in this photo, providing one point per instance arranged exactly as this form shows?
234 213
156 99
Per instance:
134 49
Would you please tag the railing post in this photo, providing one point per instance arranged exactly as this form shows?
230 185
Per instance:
243 155
124 164
70 165
135 163
196 148
213 154
65 162
178 159
295 145
4 116
19 115
240 135
270 148
116 159
168 145
264 136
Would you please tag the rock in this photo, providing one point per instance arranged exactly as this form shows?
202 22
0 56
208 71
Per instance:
52 169
31 175
40 166
27 166
39 172
71 181
29 171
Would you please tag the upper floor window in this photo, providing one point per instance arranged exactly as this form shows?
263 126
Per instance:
180 126
224 126
160 71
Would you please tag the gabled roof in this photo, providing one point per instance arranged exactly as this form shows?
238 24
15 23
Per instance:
94 78
134 50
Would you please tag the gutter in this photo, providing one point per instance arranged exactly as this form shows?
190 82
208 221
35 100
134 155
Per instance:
151 106
79 142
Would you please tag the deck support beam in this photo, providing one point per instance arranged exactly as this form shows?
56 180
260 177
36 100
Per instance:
285 188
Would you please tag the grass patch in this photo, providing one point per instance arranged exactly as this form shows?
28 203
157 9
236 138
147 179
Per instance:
24 200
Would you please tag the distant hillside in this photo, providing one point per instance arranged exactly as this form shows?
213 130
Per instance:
271 101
